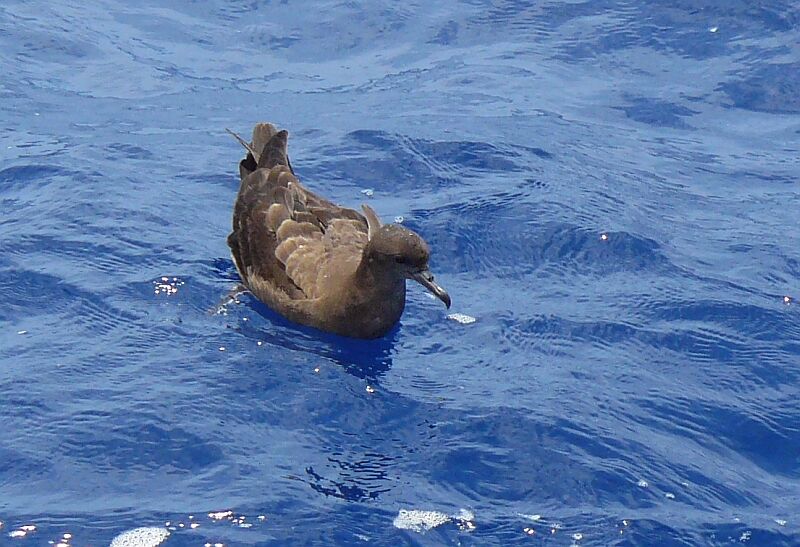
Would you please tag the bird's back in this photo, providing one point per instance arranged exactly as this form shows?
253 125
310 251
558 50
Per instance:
288 243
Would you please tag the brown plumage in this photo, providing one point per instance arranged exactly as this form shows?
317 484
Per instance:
313 261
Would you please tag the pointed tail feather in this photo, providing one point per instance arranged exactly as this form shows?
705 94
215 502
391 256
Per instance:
268 147
274 152
244 143
262 133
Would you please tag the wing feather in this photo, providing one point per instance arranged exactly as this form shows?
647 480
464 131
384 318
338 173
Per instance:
291 228
285 236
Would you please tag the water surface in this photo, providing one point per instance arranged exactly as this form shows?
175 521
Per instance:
609 188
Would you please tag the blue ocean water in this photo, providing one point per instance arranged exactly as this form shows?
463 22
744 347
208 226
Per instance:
609 188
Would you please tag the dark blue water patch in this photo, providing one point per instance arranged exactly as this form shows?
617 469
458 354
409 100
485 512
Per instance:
619 251
107 259
595 471
513 242
58 44
415 164
758 434
224 269
18 466
642 532
130 151
771 442
29 406
272 38
388 172
536 183
21 174
118 442
793 266
366 359
773 88
358 490
681 27
656 112
309 41
705 342
478 156
758 323
768 177
355 477
446 34
544 154
27 291
738 532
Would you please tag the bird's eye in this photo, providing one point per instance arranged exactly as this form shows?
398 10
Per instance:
400 260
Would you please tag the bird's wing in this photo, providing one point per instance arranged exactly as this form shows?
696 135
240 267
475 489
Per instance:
284 234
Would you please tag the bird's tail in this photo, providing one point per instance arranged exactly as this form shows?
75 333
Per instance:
267 149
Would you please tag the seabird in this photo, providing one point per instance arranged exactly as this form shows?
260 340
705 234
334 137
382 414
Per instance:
312 261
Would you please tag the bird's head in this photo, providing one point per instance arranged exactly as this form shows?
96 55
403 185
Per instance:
402 251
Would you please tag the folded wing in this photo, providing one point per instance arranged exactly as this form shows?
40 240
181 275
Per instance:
285 236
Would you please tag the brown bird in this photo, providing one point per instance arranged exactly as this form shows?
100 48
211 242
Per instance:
315 262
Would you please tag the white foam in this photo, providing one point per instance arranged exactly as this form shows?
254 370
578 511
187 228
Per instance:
465 514
465 519
419 521
462 318
422 521
533 518
141 537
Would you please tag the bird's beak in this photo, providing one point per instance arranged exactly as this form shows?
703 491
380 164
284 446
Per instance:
425 278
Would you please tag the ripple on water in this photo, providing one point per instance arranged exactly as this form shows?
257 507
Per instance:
23 175
413 165
759 431
773 88
106 444
516 244
358 474
661 354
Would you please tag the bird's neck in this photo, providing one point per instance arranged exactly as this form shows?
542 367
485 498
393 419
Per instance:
375 301
379 276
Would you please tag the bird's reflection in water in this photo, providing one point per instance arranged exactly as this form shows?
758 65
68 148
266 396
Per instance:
362 479
365 359
355 472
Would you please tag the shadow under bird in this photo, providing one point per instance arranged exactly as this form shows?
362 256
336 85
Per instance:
312 261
